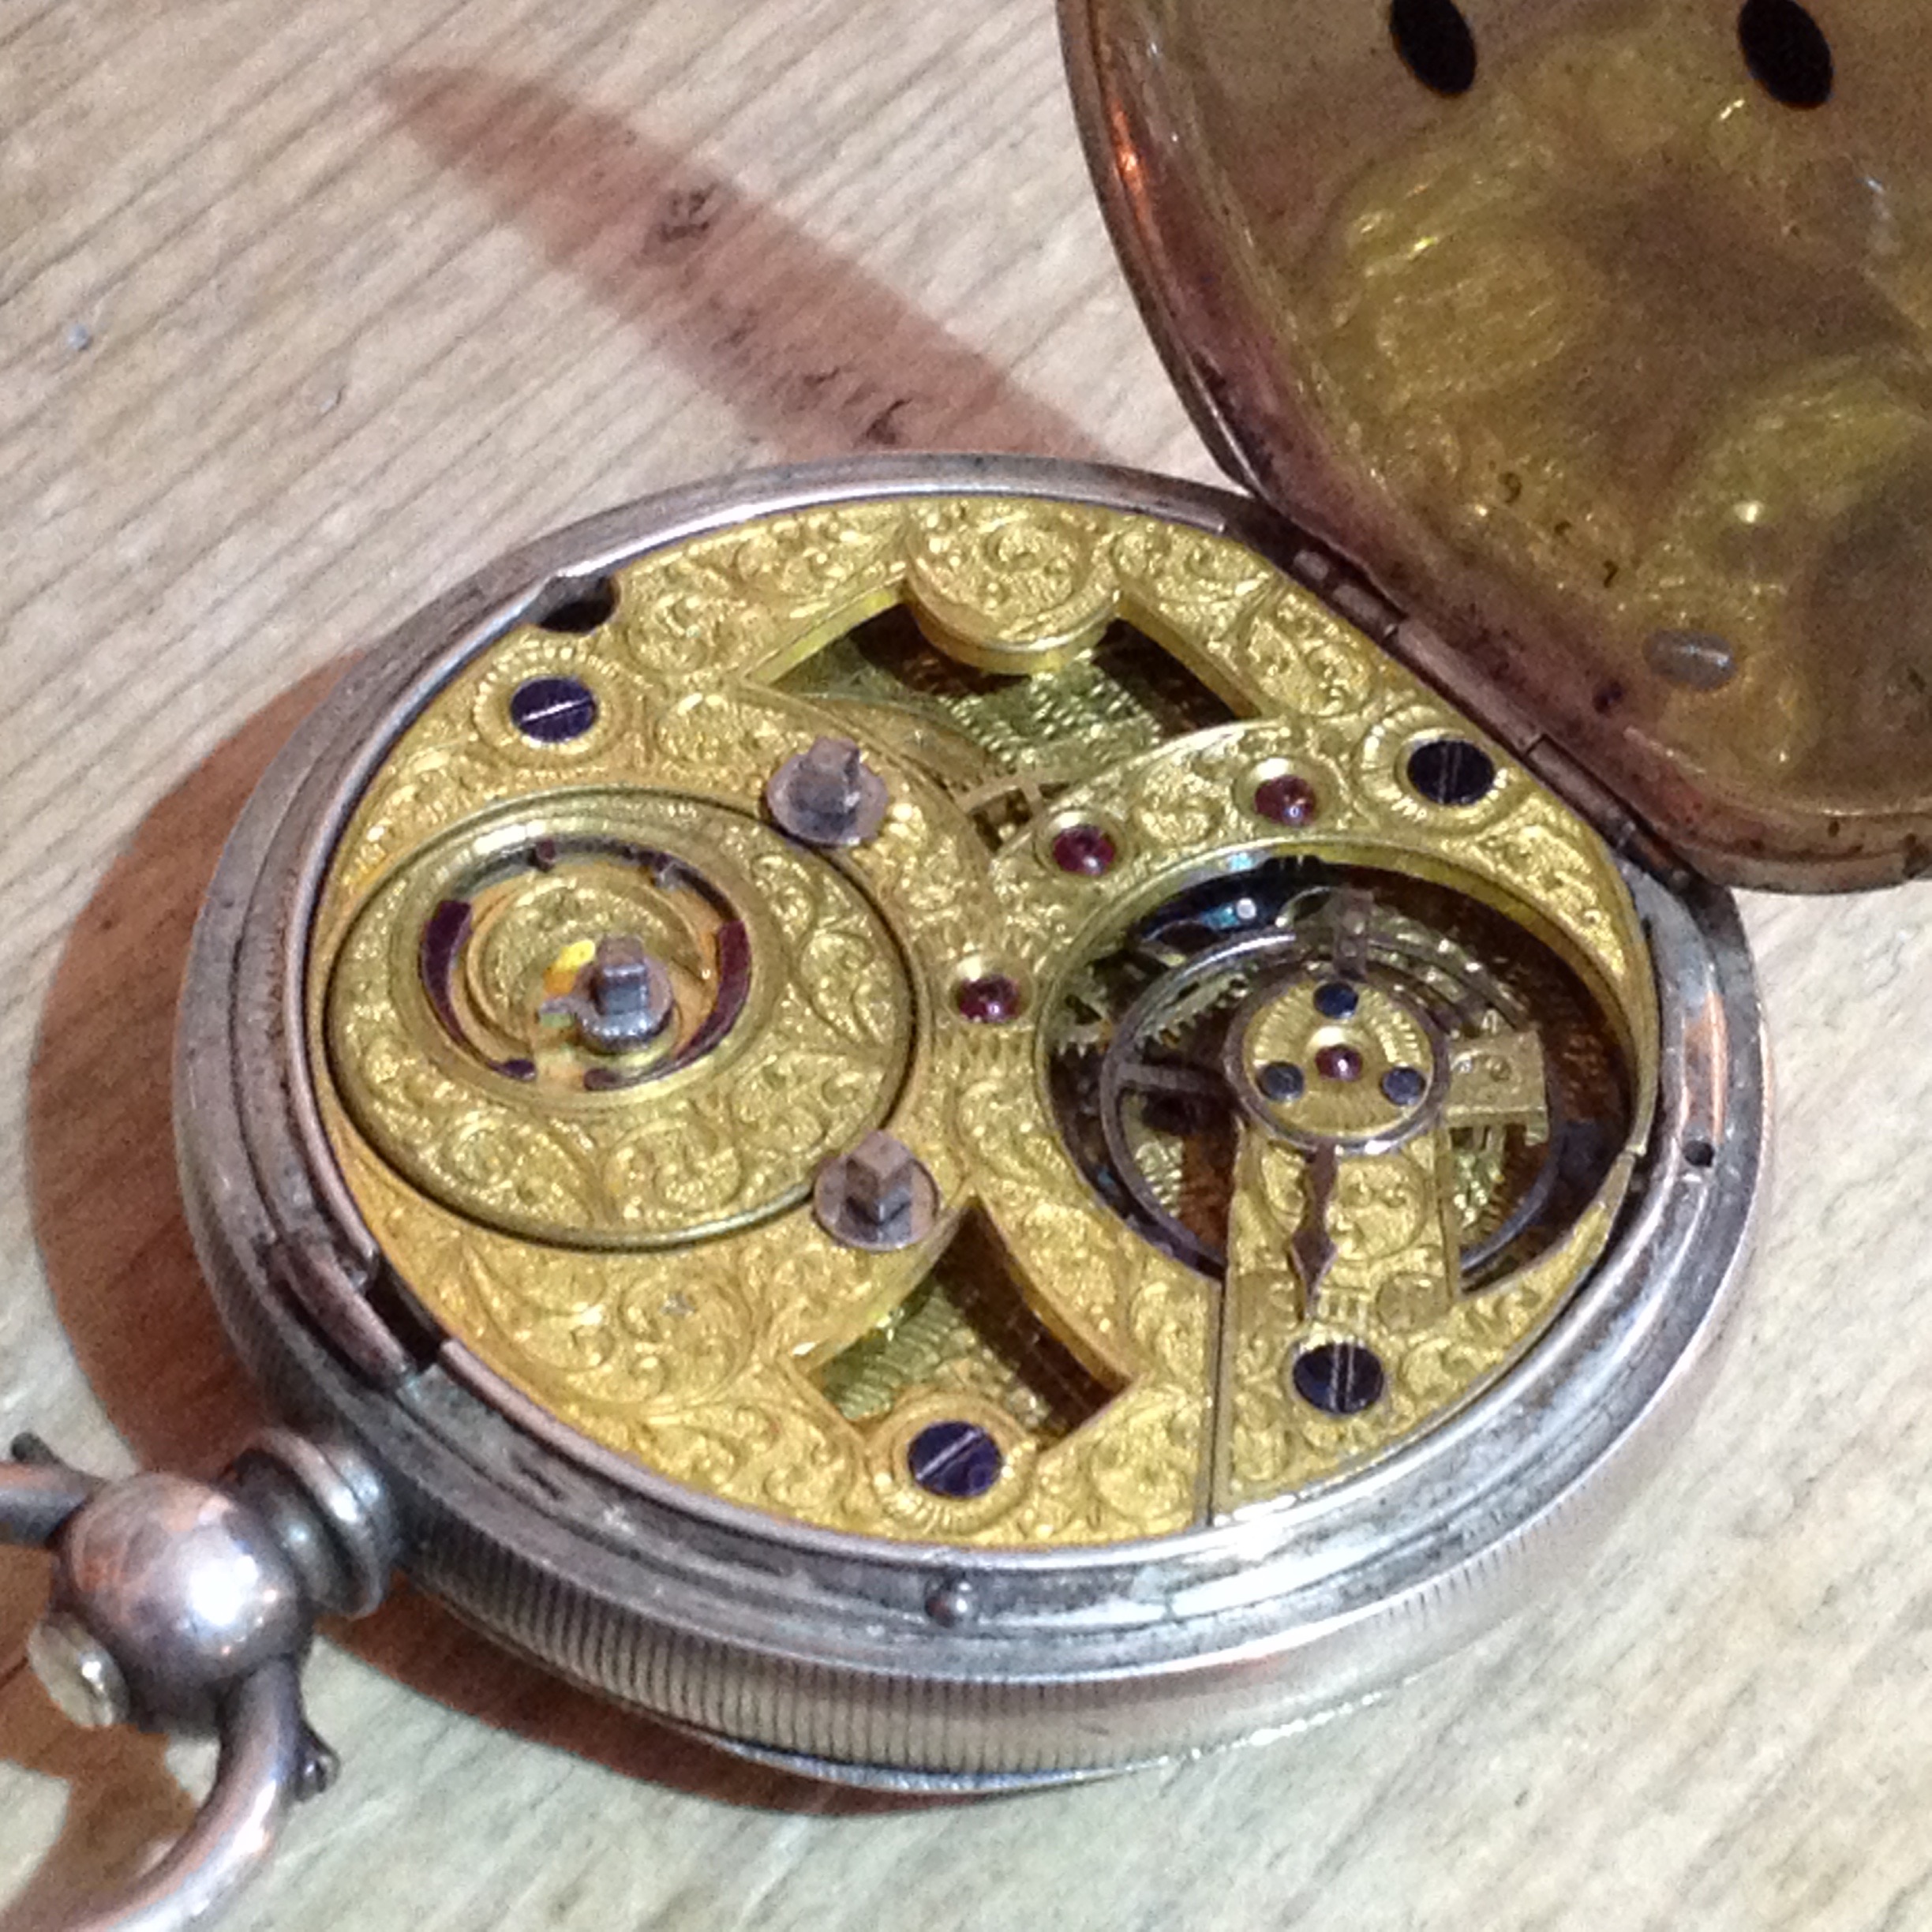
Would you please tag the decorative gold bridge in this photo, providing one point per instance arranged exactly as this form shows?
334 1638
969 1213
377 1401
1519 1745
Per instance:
979 1020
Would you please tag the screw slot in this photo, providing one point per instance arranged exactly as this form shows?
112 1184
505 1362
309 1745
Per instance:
957 1460
553 710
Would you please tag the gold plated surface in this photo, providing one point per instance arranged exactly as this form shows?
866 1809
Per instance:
669 1144
1610 355
1114 748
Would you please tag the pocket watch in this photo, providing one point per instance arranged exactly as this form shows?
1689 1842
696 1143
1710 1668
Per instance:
964 1122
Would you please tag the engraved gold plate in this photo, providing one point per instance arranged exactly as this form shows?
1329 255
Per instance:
1274 1052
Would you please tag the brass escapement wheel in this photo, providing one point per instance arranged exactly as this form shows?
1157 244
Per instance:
978 1019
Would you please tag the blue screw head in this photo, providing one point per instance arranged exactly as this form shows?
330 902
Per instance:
553 710
957 1460
1336 1000
1404 1085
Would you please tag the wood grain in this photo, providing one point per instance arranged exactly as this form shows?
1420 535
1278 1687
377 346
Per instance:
306 311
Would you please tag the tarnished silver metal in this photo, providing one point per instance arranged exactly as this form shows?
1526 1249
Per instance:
321 1765
37 1496
184 1588
624 998
880 1196
904 1665
828 795
329 1512
78 1672
183 1607
262 1771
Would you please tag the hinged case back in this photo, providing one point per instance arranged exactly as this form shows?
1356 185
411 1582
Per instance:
1595 332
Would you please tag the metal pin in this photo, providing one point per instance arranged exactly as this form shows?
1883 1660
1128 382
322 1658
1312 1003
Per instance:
623 1000
828 795
879 1197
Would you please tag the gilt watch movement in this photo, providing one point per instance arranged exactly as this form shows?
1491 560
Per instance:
962 1122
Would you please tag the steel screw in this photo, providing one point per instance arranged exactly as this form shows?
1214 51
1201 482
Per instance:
1404 1085
1281 1081
631 994
878 1178
623 1000
553 710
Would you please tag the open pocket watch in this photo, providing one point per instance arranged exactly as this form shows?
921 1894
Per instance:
964 1122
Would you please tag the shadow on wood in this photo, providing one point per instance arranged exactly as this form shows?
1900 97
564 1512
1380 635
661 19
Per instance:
816 354
123 1807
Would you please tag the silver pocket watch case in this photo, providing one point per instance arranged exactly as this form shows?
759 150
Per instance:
964 1122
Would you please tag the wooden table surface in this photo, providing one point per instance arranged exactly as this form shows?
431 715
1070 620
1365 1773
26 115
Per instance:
304 311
